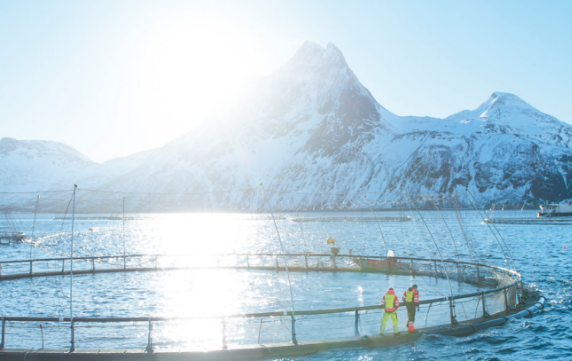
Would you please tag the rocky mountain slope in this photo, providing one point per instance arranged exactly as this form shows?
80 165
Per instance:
312 134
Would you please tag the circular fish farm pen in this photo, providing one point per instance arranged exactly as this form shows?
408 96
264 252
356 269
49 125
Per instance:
484 296
102 277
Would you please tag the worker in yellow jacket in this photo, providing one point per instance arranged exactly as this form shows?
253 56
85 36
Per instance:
411 299
391 303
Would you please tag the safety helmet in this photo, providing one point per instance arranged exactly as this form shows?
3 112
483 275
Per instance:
414 286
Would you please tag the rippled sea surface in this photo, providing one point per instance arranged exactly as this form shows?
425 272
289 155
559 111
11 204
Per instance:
540 253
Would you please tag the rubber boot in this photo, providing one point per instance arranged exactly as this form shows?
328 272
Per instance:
410 327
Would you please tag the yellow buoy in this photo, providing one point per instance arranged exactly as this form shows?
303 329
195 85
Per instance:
330 241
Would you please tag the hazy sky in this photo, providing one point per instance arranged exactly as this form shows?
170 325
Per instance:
111 78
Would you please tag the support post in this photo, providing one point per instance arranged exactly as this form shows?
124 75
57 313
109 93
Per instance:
224 345
93 265
42 331
72 343
277 264
260 329
357 323
436 274
294 341
149 348
478 274
247 262
123 234
506 305
306 260
485 313
452 311
3 332
63 265
31 268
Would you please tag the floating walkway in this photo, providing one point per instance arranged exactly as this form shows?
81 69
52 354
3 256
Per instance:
533 305
265 218
102 218
538 221
351 219
494 304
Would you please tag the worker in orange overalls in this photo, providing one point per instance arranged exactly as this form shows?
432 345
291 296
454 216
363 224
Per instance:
411 299
391 303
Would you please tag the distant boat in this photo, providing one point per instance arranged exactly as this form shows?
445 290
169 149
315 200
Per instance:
556 210
387 265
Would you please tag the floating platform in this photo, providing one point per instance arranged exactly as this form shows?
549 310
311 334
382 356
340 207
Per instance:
351 219
538 221
508 299
265 218
12 237
102 218
527 309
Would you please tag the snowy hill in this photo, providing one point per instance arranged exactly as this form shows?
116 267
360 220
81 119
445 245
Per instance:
311 128
37 164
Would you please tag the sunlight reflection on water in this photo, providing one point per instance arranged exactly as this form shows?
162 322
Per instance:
219 292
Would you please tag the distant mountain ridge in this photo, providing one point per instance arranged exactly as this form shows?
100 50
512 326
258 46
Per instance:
311 128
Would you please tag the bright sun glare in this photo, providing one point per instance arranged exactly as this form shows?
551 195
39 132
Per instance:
184 67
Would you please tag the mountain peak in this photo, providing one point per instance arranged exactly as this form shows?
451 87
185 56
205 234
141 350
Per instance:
312 55
497 108
506 99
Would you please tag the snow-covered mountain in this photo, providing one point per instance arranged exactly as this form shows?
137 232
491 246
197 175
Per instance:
311 128
38 164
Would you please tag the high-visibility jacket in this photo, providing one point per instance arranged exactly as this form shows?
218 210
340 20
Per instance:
410 296
390 301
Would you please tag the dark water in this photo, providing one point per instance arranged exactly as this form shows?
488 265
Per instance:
538 253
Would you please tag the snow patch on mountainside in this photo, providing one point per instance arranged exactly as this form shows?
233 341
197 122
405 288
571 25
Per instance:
311 133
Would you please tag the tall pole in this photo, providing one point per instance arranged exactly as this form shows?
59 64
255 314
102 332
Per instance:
34 227
72 346
123 235
285 264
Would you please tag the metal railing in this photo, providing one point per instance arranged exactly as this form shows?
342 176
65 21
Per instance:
502 295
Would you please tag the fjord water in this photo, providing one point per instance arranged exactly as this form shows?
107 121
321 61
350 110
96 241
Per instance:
537 251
